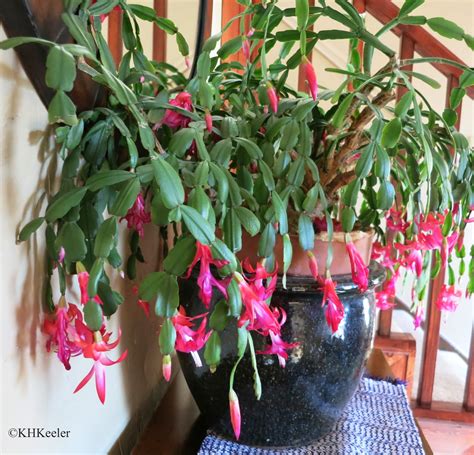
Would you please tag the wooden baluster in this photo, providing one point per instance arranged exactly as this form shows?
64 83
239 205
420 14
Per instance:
407 50
433 320
114 35
208 26
301 77
231 8
159 36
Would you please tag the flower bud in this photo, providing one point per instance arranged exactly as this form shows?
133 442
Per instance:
234 413
167 367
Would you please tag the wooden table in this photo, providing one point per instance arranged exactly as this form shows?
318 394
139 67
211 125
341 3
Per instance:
176 429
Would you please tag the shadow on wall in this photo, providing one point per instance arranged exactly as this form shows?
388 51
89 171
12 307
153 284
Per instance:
142 382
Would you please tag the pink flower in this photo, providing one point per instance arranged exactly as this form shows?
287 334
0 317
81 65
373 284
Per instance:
313 265
61 255
187 62
137 216
61 333
187 339
143 304
175 119
419 316
334 307
383 255
310 76
246 48
208 119
206 280
396 222
94 346
166 367
278 346
272 97
414 262
430 236
360 272
234 413
83 279
384 298
254 298
448 298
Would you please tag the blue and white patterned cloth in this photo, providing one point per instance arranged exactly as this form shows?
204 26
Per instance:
377 421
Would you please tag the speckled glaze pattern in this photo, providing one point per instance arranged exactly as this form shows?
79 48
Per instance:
301 402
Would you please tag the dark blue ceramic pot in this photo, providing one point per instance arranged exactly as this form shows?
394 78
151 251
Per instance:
301 402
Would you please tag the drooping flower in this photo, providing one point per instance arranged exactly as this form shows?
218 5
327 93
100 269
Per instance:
137 216
61 255
234 413
448 298
187 339
254 295
383 255
278 346
430 236
360 272
166 367
272 97
396 222
414 262
334 307
208 119
419 316
143 304
313 265
175 119
83 279
60 330
310 76
94 346
384 299
206 281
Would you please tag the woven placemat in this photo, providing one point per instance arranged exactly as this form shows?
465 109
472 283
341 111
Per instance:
377 420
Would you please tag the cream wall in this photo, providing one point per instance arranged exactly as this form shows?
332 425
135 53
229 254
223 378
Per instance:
36 389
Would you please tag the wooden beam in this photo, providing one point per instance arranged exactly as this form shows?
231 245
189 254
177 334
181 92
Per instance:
159 36
469 390
444 411
425 43
114 35
301 77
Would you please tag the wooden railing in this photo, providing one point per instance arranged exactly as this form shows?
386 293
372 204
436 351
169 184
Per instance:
412 39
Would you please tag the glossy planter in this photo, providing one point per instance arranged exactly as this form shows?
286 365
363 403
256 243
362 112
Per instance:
301 402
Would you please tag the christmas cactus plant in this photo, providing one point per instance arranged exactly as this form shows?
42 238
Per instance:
236 149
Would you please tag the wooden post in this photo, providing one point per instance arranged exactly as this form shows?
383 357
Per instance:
159 36
114 35
208 26
407 51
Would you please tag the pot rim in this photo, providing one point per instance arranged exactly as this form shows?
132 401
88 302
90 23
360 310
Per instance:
343 282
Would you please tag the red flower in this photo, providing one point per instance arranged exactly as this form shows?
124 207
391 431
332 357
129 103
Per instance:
254 298
419 316
206 280
61 333
278 346
360 272
310 76
208 119
383 255
448 298
174 119
384 298
234 413
272 97
334 307
166 367
396 222
94 346
83 279
313 265
143 304
187 339
138 215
